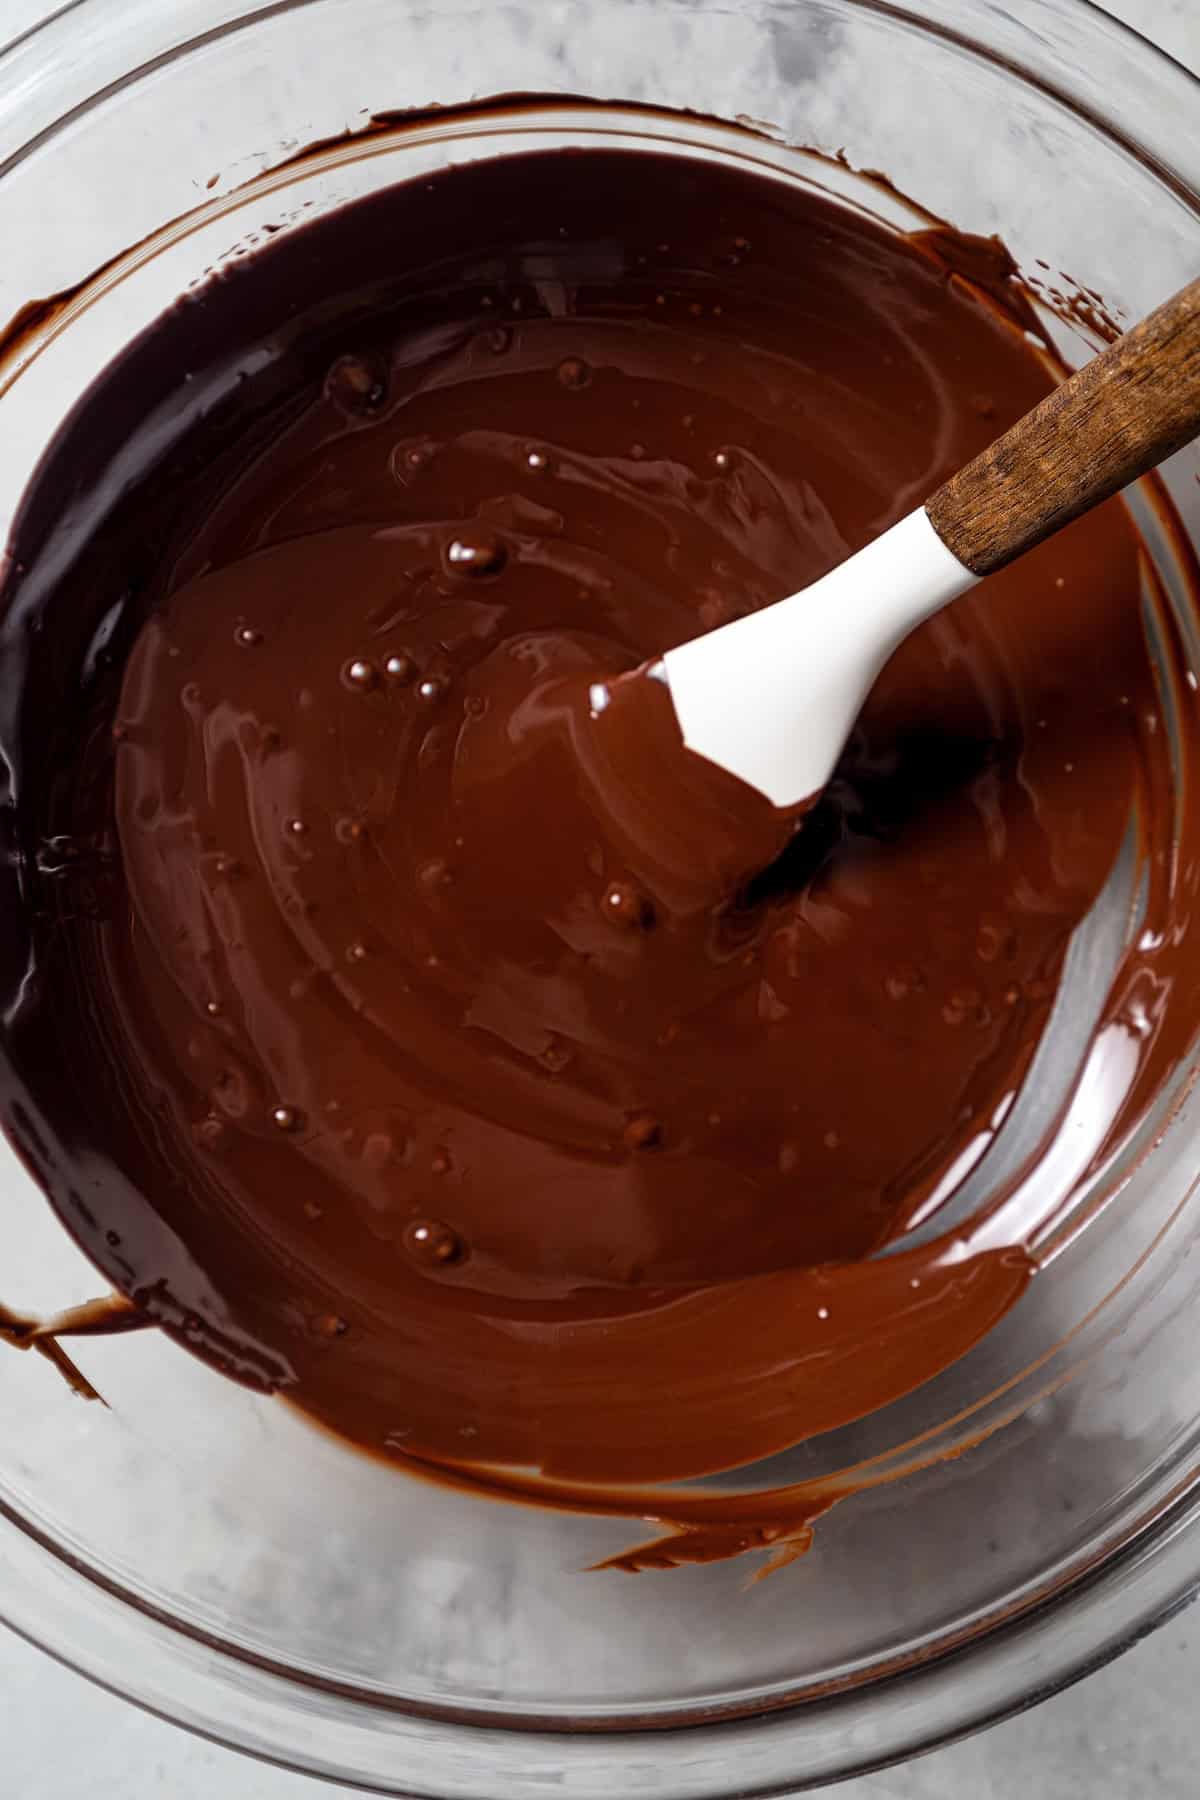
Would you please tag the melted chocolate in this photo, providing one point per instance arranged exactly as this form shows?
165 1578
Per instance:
359 1027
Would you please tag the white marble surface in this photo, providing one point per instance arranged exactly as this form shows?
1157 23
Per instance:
1128 1733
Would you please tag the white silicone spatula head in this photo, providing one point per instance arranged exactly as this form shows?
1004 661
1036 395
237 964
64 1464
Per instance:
772 697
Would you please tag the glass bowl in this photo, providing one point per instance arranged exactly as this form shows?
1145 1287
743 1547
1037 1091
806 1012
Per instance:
203 1550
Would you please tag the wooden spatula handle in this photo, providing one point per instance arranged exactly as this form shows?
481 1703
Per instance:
1126 411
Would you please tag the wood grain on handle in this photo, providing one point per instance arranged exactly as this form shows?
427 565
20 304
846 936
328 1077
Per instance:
1126 411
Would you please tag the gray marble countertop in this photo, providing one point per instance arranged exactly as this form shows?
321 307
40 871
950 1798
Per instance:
1129 1732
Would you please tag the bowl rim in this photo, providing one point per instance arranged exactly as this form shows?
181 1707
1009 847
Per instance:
50 1597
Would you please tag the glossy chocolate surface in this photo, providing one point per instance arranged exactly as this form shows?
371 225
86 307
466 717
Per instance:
359 1029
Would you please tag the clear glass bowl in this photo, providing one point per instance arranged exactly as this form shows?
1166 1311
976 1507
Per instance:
207 1553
